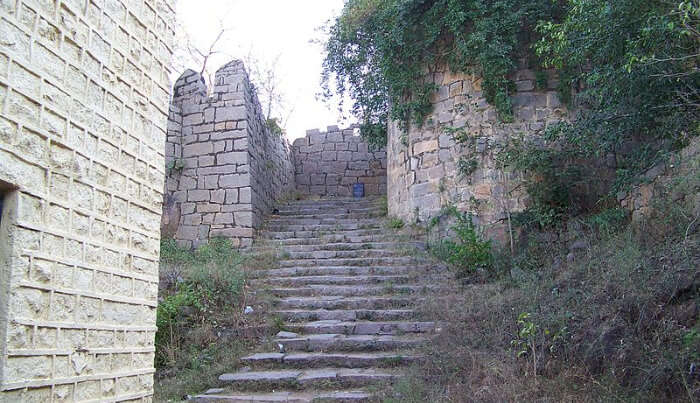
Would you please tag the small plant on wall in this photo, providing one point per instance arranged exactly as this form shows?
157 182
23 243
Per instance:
175 166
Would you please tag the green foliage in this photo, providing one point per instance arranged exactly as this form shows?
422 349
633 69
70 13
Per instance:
467 166
274 126
382 53
468 252
201 285
551 173
175 166
635 64
395 223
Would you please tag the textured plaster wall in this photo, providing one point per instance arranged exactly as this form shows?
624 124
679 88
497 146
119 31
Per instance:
83 106
423 161
228 168
330 163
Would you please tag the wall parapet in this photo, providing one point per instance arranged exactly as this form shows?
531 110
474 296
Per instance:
226 168
330 163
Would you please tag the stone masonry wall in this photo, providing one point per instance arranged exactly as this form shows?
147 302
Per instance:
83 106
423 167
225 167
330 163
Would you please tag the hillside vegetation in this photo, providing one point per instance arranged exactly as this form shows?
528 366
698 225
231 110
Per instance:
591 305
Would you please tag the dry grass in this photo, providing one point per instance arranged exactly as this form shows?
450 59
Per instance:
618 323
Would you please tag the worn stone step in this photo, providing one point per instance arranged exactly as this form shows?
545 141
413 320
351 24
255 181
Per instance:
331 220
338 246
334 202
358 253
329 239
339 302
299 315
350 226
368 213
325 378
332 280
340 360
387 289
361 327
288 397
317 233
310 211
341 271
360 261
356 343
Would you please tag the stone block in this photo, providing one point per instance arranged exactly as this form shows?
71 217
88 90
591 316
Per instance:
231 196
197 149
425 146
223 218
329 156
244 218
197 195
229 113
318 179
234 181
245 195
233 157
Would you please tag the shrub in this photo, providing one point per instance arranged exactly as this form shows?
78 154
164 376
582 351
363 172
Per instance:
467 252
205 285
395 223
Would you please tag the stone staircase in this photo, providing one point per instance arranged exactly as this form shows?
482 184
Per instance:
345 289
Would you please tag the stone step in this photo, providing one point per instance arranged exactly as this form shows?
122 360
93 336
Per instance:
341 271
310 211
300 315
356 343
327 254
316 234
338 302
324 378
361 261
331 280
361 327
340 201
331 220
368 213
287 397
340 360
345 246
387 289
351 226
335 239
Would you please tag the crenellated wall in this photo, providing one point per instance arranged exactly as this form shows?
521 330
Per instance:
423 170
330 163
83 101
226 168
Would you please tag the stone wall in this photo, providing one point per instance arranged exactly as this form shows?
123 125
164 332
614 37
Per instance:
423 167
226 168
330 163
678 180
83 102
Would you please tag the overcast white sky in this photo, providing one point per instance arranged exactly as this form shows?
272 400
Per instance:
271 28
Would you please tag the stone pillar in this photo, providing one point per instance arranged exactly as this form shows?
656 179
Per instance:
218 153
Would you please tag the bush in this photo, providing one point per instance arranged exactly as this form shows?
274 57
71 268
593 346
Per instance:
205 285
467 252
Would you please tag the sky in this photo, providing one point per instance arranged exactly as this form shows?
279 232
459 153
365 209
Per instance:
268 29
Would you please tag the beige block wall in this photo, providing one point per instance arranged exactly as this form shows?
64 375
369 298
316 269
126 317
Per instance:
83 108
